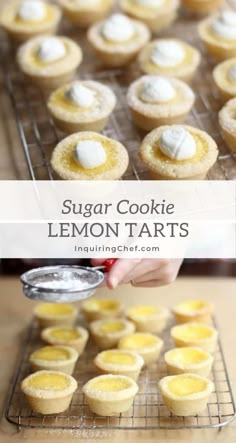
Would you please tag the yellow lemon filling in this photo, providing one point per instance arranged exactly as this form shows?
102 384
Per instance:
138 341
118 358
48 17
143 311
65 334
50 353
184 386
55 309
111 327
107 385
35 60
191 306
102 305
193 332
187 355
56 382
58 99
217 38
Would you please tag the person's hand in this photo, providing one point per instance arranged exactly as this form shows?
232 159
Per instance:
141 272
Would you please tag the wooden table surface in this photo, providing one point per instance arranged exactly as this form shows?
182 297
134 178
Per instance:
15 313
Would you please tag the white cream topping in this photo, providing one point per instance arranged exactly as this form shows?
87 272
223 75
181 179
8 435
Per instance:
177 143
157 89
90 154
232 73
225 25
80 95
167 53
149 3
51 49
31 10
118 28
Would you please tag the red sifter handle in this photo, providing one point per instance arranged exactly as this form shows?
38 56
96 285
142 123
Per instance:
109 263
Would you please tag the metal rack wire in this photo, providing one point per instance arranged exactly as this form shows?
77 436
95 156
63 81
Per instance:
39 136
148 411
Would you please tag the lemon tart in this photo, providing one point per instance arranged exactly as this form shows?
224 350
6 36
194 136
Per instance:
186 394
195 334
218 33
49 392
76 337
193 310
107 332
81 106
169 57
49 61
224 76
156 14
119 362
188 359
109 395
89 156
55 314
227 120
117 40
148 318
23 19
178 152
99 308
149 346
202 7
84 13
155 101
55 358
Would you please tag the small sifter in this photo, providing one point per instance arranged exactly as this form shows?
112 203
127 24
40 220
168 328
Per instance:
63 283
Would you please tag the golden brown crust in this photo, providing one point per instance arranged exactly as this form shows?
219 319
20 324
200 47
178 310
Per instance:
177 170
228 123
226 87
85 15
64 365
130 370
207 343
202 7
78 343
176 365
106 340
219 48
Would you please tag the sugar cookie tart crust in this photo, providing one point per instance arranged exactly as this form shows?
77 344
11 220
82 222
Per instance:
53 314
107 332
226 87
96 308
193 310
76 337
148 318
54 354
227 122
188 359
84 14
48 384
65 166
195 334
118 360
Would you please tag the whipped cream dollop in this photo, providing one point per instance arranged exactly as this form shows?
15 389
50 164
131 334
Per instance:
157 89
177 143
232 73
225 25
167 53
51 49
90 154
149 3
80 95
118 28
31 10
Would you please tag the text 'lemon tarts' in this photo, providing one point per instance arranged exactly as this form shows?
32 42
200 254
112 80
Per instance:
23 19
178 152
186 394
81 106
55 314
49 392
89 156
119 362
202 7
155 101
169 57
55 358
193 310
156 14
84 13
188 359
109 395
118 39
224 76
76 337
49 61
218 33
99 308
195 334
227 120
149 346
107 332
148 318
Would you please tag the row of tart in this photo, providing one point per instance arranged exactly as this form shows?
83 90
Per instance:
114 391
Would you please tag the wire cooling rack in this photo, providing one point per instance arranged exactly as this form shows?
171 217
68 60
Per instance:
148 411
39 136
